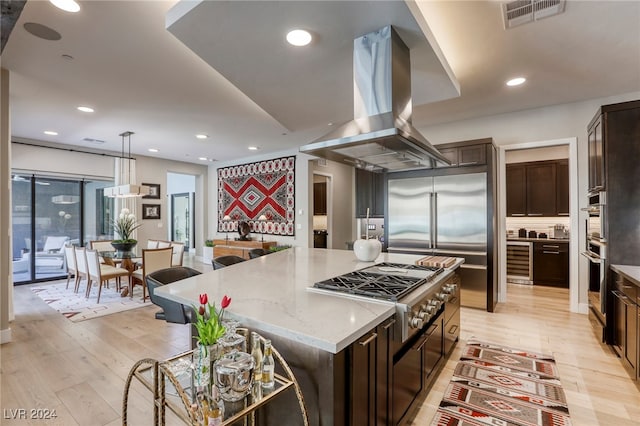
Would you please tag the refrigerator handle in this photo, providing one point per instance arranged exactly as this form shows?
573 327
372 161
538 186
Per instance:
434 220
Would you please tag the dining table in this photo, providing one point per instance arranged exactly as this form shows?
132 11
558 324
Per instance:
127 259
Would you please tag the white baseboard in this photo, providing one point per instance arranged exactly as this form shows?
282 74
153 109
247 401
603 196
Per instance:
583 308
5 336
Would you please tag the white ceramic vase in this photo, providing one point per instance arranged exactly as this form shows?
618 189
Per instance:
367 250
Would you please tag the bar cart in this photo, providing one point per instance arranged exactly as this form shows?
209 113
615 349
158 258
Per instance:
171 383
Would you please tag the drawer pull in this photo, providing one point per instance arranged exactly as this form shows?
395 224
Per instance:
453 329
369 340
389 324
550 246
550 252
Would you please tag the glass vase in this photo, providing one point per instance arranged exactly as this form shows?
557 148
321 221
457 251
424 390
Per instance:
203 358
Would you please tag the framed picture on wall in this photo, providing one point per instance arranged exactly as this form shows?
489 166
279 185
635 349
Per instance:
154 190
151 211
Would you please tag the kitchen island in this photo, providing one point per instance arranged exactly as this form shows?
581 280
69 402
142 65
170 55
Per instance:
320 335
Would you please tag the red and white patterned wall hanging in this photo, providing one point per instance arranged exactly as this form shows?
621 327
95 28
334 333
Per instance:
248 191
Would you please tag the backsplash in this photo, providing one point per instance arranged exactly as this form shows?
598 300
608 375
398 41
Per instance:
319 222
538 224
377 224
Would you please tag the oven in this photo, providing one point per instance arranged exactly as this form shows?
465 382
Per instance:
596 254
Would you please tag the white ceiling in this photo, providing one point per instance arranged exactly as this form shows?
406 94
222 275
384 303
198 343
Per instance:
138 76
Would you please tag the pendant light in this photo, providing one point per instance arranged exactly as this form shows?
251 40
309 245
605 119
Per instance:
127 190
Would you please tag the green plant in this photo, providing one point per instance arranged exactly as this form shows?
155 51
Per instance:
124 225
208 243
209 320
279 248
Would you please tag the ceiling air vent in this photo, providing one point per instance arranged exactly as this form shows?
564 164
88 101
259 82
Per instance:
94 141
522 11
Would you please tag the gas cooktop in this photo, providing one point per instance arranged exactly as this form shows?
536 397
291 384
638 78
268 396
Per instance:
385 281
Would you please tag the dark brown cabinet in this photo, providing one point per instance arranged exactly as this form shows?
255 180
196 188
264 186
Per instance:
370 381
320 198
596 155
625 336
539 188
369 193
516 190
562 187
463 154
551 264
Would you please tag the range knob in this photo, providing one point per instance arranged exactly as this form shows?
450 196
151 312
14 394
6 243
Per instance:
424 315
416 322
435 303
443 296
451 288
430 309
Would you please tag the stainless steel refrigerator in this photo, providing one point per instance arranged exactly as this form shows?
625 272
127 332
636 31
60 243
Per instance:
444 216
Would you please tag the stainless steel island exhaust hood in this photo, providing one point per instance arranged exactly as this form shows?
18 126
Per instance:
380 137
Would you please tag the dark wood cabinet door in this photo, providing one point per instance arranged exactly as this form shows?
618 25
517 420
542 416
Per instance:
369 193
472 155
320 198
562 188
363 380
551 264
450 154
541 189
516 190
596 156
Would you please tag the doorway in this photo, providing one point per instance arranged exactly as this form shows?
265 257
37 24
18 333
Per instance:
536 151
321 209
181 191
182 221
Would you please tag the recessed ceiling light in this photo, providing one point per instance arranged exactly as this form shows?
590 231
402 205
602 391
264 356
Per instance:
85 109
153 150
298 37
202 158
50 133
67 57
66 5
253 148
516 81
201 136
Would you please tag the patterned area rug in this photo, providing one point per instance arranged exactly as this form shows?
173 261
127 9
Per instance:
76 308
497 385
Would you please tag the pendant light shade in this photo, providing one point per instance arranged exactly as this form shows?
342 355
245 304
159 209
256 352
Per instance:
126 189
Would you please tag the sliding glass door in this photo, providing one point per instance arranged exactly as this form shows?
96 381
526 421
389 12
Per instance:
48 213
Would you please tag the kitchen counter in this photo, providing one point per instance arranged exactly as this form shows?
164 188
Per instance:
540 240
630 272
270 294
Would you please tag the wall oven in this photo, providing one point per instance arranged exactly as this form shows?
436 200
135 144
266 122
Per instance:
596 253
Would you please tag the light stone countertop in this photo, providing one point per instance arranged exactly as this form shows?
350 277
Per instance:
631 272
269 294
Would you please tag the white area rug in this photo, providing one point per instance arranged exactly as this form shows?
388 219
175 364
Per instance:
76 308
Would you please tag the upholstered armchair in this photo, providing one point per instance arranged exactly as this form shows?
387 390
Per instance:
52 254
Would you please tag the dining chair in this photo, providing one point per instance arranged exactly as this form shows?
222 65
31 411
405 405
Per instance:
70 258
257 252
100 246
81 266
171 311
222 261
164 244
152 260
178 253
101 273
152 244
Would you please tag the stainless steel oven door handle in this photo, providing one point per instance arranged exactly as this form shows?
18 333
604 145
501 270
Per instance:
418 346
591 257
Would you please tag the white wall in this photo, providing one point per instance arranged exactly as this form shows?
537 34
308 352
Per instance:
537 154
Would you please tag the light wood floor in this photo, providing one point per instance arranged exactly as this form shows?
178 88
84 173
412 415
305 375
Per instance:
598 390
79 369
